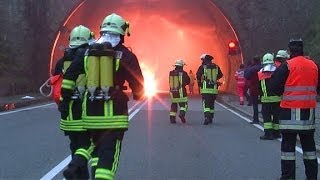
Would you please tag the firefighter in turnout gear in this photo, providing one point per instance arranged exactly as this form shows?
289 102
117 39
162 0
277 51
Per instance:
208 75
298 83
178 80
281 57
71 121
270 101
107 65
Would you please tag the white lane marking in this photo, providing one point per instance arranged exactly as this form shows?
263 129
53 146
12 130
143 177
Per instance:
45 105
136 104
137 110
24 109
58 168
298 149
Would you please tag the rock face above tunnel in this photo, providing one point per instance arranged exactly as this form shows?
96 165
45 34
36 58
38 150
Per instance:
28 29
266 26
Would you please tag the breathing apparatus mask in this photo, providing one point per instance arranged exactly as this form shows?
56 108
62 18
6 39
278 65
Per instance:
112 38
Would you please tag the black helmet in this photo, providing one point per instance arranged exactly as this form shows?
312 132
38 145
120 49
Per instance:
296 46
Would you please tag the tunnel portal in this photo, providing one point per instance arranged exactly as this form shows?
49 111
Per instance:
162 31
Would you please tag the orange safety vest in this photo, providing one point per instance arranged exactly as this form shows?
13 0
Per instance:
300 90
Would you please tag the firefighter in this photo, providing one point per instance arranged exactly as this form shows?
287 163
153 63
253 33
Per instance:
107 65
208 75
281 57
270 102
71 122
178 80
298 105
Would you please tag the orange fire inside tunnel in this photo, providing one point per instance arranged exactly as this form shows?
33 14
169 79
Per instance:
162 32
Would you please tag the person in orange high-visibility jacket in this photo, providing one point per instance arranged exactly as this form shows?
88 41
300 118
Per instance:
241 81
270 102
298 83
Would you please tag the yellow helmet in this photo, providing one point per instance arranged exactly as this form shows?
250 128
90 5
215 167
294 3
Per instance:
115 24
80 35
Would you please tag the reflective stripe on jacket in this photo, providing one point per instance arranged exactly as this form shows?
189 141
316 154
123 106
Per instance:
300 89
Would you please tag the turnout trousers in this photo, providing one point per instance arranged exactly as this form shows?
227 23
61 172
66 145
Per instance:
270 114
208 101
106 154
174 109
289 137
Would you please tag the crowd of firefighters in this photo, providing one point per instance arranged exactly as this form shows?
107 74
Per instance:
94 110
287 86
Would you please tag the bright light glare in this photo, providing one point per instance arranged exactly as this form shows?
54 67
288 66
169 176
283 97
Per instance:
150 84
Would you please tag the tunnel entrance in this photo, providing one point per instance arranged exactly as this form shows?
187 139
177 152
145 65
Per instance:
162 31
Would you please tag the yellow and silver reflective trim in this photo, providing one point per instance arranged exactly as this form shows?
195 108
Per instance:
268 125
94 161
311 155
296 123
102 173
116 156
300 88
265 98
300 97
173 113
288 156
178 100
68 84
70 124
84 153
117 64
275 126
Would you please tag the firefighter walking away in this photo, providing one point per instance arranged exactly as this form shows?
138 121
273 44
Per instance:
107 65
208 75
178 80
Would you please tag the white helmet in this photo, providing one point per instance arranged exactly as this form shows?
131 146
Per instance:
268 59
282 54
180 62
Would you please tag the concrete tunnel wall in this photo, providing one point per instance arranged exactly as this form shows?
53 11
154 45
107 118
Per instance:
30 27
162 32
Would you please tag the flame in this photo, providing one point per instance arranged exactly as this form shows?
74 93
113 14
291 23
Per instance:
150 83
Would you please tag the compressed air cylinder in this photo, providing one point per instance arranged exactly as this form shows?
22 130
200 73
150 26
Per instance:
106 73
176 82
81 83
171 82
93 76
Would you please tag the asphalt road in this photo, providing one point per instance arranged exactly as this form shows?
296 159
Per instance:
33 147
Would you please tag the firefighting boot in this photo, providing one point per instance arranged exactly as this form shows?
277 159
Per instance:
207 120
173 119
211 118
71 172
267 136
182 117
276 134
76 169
